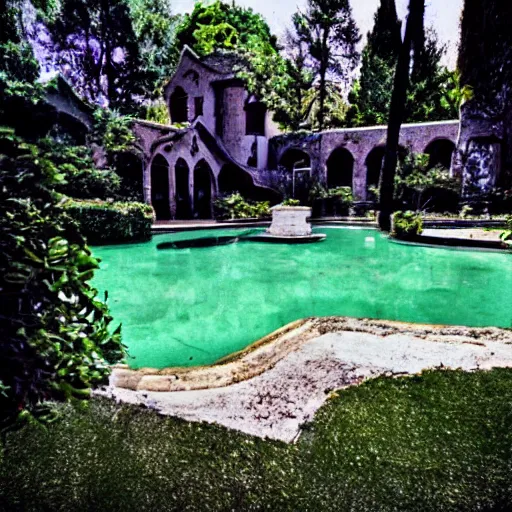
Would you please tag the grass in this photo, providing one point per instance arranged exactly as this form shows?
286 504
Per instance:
440 441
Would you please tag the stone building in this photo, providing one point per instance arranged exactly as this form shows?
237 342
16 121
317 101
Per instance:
222 139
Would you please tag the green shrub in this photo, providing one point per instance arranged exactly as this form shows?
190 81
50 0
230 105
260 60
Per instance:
291 202
341 194
506 236
417 186
109 223
56 340
407 225
235 206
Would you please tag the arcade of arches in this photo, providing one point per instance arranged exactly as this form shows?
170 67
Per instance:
197 205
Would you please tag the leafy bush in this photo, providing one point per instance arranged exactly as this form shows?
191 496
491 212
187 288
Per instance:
56 336
291 202
506 236
81 178
330 202
235 206
113 134
109 223
417 186
406 225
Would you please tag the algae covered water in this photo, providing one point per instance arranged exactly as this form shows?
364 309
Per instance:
191 307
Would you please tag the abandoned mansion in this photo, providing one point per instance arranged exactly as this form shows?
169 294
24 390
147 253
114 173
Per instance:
222 139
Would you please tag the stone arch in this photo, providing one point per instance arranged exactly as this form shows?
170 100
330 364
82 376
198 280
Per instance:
182 181
294 157
373 164
340 168
204 190
160 187
179 106
440 152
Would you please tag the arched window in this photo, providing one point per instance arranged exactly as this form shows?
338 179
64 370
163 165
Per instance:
179 106
340 168
373 167
160 188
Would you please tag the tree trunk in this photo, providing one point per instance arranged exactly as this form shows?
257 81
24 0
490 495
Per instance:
396 114
323 72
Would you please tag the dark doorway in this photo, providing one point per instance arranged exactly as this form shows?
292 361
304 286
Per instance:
340 168
160 188
183 210
440 152
179 106
203 184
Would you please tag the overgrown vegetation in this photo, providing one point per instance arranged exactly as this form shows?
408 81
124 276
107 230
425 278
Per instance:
56 335
235 206
406 225
436 442
506 236
102 222
419 186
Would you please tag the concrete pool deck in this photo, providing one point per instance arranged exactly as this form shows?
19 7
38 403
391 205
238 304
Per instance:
275 387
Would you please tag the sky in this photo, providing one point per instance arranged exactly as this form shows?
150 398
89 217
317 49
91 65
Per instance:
443 15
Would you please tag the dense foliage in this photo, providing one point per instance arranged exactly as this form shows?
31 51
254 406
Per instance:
103 222
81 178
406 225
486 51
333 202
330 35
434 94
438 442
222 26
56 336
116 53
419 186
235 206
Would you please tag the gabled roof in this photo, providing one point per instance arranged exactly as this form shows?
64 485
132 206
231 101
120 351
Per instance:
221 63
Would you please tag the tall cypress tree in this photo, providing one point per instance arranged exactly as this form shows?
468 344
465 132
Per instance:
371 94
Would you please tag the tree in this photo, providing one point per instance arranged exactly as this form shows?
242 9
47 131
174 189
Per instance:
115 53
55 334
330 34
155 28
371 93
221 26
396 113
429 81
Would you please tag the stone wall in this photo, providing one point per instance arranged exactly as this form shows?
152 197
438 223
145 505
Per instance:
359 142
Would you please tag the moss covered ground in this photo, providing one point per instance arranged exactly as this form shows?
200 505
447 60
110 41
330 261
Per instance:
440 441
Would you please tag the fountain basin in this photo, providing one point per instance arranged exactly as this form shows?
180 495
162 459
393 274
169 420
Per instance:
290 221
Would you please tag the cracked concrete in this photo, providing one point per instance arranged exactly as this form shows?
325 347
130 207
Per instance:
338 353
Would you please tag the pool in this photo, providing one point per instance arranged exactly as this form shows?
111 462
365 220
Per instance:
191 307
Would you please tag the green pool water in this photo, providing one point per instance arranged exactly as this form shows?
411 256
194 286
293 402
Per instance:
193 306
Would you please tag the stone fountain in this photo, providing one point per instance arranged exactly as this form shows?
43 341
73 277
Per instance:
290 225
